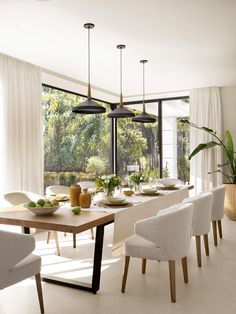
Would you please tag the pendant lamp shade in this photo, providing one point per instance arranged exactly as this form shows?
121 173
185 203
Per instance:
144 117
121 111
88 106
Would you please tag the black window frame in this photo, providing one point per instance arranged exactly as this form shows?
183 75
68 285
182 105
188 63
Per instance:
113 125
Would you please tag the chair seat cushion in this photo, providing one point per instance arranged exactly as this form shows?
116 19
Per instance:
26 268
137 246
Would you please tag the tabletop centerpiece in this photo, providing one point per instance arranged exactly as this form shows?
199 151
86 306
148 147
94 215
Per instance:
108 183
136 178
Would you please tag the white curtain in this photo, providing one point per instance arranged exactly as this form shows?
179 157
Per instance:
205 110
21 139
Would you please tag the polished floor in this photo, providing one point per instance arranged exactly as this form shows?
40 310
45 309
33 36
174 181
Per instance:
211 289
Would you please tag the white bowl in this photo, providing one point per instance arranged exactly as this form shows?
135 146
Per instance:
115 200
42 211
168 182
149 191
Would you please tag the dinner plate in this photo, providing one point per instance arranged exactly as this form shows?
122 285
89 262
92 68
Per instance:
106 202
61 197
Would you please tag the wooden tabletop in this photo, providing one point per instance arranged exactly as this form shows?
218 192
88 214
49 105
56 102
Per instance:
62 220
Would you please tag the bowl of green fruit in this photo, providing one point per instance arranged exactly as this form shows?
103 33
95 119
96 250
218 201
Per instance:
43 207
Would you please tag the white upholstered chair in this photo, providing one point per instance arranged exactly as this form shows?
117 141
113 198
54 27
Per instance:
23 197
57 189
87 184
201 222
16 262
164 237
168 181
217 210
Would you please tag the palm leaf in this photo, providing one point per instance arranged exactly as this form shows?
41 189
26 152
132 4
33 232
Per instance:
229 145
203 146
208 130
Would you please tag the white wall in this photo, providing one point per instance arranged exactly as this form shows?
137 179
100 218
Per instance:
228 98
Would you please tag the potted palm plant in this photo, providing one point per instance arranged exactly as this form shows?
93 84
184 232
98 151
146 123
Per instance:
228 168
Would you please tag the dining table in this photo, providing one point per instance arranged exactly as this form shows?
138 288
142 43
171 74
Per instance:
99 215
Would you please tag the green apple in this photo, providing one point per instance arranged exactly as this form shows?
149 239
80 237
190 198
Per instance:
76 210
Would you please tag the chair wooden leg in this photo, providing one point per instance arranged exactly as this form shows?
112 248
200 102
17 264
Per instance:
198 248
214 227
74 240
40 293
57 242
172 281
64 234
92 234
220 228
144 261
48 236
185 268
206 244
124 278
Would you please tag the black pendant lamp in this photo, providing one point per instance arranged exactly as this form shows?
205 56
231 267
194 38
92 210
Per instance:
88 106
144 117
121 111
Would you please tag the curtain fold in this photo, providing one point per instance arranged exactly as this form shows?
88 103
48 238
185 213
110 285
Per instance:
21 137
205 110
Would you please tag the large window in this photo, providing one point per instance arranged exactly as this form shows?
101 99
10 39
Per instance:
76 147
175 139
137 145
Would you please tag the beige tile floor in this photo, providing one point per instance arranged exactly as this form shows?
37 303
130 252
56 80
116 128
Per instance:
211 289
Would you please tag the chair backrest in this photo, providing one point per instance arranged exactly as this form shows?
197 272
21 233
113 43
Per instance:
86 184
13 247
20 197
168 181
57 189
202 206
218 202
170 230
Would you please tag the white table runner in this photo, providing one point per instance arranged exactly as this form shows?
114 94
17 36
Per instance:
144 207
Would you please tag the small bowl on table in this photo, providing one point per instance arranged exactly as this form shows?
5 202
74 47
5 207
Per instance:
149 191
128 192
115 200
42 211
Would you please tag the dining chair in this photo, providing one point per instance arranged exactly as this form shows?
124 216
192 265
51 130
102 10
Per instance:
17 263
217 211
201 221
63 189
164 237
23 197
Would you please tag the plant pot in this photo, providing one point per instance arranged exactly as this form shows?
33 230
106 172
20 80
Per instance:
230 201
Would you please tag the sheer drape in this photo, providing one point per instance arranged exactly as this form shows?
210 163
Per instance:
21 139
205 110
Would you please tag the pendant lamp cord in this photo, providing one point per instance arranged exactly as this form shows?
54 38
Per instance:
89 56
143 82
121 76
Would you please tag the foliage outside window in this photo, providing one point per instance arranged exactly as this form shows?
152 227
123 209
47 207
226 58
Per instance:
137 148
76 147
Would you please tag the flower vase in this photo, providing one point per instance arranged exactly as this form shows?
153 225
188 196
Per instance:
108 192
137 188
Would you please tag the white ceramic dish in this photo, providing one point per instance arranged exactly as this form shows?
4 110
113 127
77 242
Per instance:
149 191
107 202
115 200
60 197
42 211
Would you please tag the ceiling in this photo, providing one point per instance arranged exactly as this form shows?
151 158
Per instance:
188 44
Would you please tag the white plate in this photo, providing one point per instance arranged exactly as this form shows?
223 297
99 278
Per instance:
107 202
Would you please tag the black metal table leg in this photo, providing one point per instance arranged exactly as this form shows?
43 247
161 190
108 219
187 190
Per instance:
97 260
25 230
